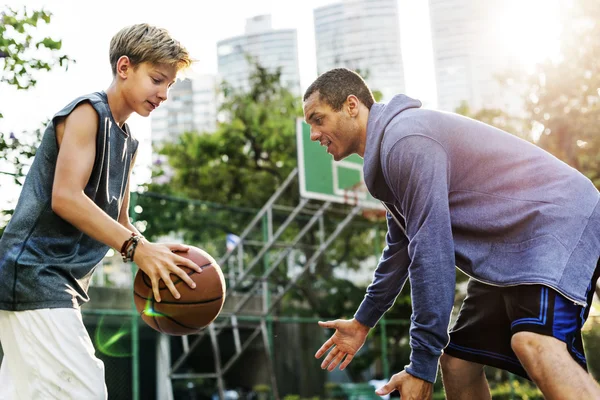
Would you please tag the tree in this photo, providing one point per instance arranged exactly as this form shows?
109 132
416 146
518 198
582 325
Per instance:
21 57
254 150
497 118
239 167
19 49
563 100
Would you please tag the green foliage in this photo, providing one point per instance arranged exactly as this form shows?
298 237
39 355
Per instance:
236 168
253 151
591 341
496 117
19 48
18 151
564 97
519 390
21 57
262 388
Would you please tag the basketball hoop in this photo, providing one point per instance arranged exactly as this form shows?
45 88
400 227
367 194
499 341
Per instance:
350 197
353 196
374 215
354 193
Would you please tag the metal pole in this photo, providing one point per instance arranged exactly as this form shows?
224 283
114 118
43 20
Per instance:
240 262
164 387
267 236
236 334
267 339
282 255
267 329
321 240
217 356
135 345
269 241
259 215
316 255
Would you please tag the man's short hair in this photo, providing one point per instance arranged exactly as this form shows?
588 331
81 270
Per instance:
147 43
334 87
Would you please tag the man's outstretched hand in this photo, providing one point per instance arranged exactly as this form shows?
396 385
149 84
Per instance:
349 337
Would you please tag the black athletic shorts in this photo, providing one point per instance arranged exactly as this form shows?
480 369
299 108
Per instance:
490 315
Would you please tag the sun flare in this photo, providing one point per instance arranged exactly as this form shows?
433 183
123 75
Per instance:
529 30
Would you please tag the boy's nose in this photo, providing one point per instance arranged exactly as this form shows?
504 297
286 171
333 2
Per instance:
163 94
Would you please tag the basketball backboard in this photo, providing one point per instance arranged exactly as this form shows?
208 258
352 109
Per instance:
322 178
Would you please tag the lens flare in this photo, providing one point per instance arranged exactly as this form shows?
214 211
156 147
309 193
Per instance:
149 310
114 341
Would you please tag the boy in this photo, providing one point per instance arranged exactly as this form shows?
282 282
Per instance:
72 208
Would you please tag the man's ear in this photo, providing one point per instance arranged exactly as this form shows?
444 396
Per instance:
124 66
352 104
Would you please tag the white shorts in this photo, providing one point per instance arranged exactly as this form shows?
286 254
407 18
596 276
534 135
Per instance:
48 354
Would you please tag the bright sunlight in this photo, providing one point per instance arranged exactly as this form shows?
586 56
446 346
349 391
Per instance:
530 30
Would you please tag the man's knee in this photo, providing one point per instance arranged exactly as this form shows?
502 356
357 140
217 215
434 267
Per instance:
533 349
527 345
524 343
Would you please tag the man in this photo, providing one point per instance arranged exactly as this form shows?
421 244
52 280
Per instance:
522 224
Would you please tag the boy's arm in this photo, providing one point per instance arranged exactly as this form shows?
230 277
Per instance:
124 212
76 139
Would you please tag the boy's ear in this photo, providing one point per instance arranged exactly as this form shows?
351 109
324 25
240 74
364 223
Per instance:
124 65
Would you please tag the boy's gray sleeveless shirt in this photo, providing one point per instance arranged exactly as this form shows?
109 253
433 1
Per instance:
45 262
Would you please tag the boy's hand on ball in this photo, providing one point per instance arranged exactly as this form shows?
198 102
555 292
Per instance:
195 309
159 261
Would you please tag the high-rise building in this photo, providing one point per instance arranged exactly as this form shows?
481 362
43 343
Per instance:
192 106
362 35
470 53
272 48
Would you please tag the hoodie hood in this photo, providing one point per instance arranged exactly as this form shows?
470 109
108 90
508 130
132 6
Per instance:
380 116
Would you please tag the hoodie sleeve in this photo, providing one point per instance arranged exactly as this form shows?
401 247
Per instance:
390 275
417 170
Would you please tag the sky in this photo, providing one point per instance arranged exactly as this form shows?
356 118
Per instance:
86 28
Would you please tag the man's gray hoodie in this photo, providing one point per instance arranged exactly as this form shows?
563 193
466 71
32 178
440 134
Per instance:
462 193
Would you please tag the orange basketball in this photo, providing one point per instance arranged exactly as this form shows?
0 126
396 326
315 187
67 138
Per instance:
195 309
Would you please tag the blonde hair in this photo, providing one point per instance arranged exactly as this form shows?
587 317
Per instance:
147 43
